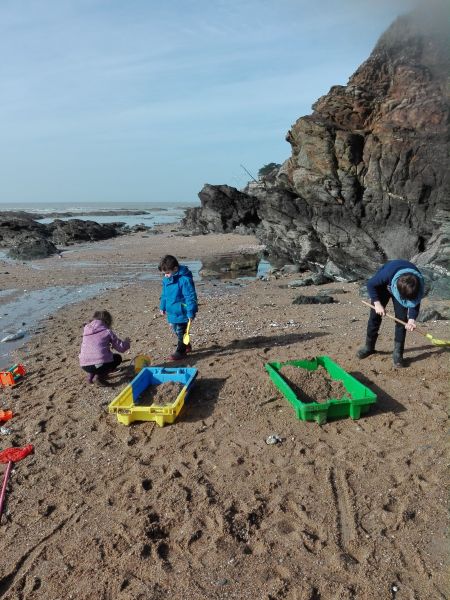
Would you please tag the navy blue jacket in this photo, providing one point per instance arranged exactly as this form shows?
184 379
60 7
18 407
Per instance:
178 297
389 273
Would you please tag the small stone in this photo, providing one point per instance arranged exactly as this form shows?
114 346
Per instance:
273 439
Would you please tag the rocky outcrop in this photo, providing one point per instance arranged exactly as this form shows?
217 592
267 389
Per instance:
223 210
31 248
24 237
368 178
75 231
27 239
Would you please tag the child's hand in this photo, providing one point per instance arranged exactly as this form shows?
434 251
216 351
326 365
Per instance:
410 325
162 312
127 340
379 308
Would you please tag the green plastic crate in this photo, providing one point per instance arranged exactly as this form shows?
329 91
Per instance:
357 404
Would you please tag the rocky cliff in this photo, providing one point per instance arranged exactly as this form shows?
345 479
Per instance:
368 177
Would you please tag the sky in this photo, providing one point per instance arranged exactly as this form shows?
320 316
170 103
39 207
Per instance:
131 101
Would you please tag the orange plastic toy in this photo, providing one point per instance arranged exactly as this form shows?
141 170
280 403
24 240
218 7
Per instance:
5 415
13 375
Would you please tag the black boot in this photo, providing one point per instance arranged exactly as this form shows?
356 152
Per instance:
180 352
397 355
368 349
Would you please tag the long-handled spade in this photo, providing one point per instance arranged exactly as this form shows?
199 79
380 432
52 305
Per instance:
10 456
433 340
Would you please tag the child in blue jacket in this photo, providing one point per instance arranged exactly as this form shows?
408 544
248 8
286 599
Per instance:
403 282
178 300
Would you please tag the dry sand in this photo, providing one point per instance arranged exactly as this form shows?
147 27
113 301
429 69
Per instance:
204 508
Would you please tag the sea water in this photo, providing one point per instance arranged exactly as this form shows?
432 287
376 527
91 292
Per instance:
150 214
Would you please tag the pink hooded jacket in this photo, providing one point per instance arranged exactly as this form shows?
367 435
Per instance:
97 342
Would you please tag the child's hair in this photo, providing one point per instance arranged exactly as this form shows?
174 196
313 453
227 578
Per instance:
168 263
408 286
103 315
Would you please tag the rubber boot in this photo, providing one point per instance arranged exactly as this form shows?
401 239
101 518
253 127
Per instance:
368 349
397 355
180 352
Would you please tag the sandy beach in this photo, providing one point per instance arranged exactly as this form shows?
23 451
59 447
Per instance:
204 508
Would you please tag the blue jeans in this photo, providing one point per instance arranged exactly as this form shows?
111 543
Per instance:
401 312
179 330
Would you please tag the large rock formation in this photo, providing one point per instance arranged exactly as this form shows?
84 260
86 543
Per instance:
27 239
223 209
74 231
368 178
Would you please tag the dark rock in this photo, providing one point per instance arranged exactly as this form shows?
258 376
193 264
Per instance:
223 209
328 291
440 288
307 281
27 239
432 314
232 265
74 231
320 279
319 299
32 248
315 279
290 269
139 227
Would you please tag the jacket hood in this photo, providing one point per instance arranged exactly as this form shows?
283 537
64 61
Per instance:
183 271
404 301
94 326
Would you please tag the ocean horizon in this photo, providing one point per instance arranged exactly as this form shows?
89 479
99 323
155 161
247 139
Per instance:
80 207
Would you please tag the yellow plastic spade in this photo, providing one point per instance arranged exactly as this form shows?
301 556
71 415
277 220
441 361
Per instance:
141 361
186 336
418 329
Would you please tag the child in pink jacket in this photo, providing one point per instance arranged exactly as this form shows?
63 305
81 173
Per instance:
96 357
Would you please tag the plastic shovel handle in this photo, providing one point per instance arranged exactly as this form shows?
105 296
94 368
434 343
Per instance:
418 329
4 484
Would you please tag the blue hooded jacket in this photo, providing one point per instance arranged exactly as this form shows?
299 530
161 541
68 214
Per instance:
178 297
387 277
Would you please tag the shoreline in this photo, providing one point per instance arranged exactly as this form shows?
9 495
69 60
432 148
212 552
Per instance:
94 267
205 508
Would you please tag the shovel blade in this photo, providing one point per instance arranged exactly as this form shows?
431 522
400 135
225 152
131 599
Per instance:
15 454
186 336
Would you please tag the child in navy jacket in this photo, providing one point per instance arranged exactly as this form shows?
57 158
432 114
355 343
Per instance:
178 300
403 282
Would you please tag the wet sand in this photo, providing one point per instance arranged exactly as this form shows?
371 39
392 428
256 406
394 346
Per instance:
204 508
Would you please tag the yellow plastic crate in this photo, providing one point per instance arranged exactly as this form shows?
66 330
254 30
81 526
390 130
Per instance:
126 405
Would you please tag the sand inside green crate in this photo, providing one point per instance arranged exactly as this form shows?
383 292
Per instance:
161 394
313 386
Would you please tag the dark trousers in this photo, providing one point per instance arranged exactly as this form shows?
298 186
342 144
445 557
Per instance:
401 312
179 330
105 368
